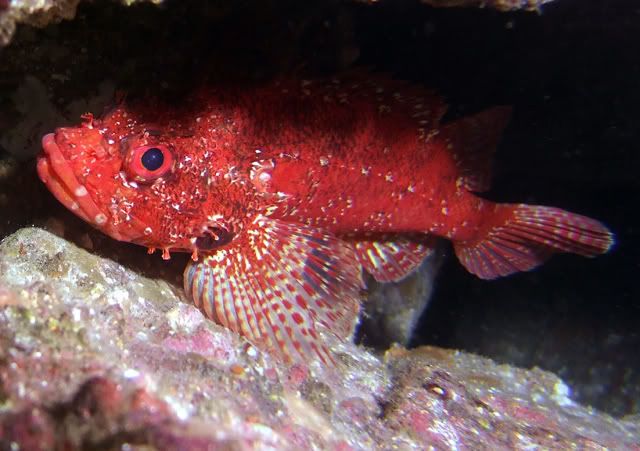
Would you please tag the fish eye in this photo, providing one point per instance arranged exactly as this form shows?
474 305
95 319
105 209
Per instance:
152 159
147 163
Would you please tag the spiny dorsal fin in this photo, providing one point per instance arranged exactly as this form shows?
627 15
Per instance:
276 283
473 141
392 257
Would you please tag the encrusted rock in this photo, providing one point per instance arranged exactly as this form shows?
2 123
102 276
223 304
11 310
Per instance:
93 355
38 13
500 5
448 398
83 337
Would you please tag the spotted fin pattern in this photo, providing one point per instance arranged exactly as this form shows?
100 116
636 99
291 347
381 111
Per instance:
390 258
276 283
528 236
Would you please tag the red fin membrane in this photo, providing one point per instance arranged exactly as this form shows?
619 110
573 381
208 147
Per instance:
275 283
528 237
390 258
473 141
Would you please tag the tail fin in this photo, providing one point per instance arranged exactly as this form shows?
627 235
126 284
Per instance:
528 236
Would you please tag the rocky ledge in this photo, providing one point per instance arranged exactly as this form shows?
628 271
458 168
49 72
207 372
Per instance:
95 356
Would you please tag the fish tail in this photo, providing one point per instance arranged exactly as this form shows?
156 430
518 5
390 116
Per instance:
524 236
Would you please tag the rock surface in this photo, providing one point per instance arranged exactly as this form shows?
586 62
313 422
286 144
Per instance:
500 5
93 355
39 13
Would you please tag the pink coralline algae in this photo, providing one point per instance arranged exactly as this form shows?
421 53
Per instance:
93 355
489 406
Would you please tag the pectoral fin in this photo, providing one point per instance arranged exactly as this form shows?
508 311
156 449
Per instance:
277 283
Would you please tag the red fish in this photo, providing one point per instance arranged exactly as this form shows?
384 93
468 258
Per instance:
284 192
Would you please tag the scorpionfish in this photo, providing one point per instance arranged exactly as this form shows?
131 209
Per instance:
285 192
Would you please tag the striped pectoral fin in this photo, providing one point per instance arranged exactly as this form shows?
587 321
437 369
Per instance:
277 283
524 236
392 257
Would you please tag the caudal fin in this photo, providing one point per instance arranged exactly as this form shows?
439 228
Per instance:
527 235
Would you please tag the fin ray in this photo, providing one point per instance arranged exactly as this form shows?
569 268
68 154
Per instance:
528 236
276 283
392 257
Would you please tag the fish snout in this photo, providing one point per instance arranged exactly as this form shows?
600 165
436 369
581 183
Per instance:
63 167
57 173
77 142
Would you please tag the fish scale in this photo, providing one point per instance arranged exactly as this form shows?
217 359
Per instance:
285 192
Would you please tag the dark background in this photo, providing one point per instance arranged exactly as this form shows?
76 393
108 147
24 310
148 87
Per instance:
571 74
573 78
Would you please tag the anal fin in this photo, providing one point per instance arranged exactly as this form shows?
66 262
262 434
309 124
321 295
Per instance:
276 283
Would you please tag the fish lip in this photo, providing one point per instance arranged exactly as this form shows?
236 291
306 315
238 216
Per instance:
56 173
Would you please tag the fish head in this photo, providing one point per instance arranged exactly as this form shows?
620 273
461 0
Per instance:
135 181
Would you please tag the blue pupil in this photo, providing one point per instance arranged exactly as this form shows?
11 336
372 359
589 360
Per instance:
152 159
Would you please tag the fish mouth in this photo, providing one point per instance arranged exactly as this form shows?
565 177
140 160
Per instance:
56 173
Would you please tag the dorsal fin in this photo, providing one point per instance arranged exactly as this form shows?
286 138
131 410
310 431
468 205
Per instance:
473 141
